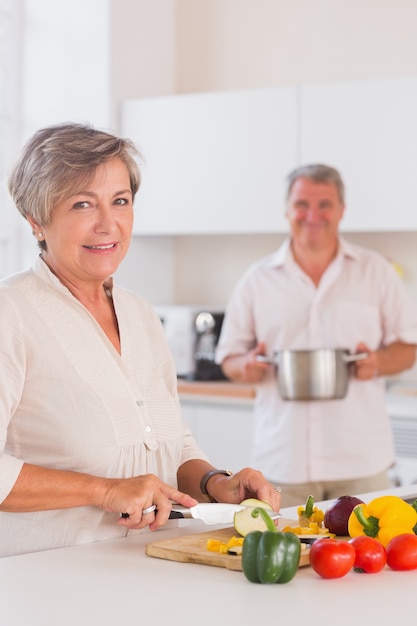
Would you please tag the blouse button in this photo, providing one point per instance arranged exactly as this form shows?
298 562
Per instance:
148 429
139 402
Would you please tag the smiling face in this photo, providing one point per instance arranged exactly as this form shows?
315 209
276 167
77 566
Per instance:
90 231
314 211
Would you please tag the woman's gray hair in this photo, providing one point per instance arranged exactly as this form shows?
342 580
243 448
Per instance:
318 173
57 159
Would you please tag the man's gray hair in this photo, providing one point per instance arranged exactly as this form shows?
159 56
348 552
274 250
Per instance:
318 173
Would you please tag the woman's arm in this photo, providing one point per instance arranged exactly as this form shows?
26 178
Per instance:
40 489
189 476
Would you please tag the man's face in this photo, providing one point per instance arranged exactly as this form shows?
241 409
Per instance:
314 211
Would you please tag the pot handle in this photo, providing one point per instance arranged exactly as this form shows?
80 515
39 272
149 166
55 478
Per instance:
350 358
265 359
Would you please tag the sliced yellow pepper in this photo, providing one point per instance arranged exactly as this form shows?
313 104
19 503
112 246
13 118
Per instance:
214 545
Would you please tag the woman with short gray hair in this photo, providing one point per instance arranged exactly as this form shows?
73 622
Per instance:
92 441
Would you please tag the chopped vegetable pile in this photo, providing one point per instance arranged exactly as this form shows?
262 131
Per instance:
310 513
312 529
310 520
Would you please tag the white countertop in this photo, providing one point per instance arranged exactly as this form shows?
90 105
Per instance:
115 583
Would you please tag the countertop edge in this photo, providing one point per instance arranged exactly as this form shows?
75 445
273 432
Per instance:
216 389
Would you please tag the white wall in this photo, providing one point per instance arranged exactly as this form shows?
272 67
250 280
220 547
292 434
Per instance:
150 269
143 49
65 77
66 65
236 44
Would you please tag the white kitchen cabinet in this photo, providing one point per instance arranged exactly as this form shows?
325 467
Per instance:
367 130
222 428
216 162
213 162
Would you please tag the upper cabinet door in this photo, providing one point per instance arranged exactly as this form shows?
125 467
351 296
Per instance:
367 130
213 162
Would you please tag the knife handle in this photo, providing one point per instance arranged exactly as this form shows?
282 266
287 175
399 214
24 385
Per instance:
172 515
176 515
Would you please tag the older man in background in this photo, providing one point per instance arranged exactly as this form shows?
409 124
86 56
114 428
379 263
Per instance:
319 291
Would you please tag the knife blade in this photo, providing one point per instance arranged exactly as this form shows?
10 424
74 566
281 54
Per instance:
212 513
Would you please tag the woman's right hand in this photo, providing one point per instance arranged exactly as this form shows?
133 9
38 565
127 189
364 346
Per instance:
131 495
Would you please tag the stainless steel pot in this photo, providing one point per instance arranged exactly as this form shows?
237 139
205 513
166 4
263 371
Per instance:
313 374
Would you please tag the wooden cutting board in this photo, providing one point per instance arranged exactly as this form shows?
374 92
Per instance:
193 549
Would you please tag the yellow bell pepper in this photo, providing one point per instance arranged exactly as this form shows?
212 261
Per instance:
382 518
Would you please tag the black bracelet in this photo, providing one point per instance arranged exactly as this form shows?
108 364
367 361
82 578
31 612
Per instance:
206 478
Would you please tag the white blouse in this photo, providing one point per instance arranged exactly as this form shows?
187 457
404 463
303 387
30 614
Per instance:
69 401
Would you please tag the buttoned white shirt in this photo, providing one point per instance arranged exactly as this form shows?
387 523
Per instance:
70 401
360 298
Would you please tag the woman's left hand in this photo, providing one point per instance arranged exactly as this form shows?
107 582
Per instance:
247 483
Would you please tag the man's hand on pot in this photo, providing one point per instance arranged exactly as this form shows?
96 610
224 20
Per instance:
255 371
368 368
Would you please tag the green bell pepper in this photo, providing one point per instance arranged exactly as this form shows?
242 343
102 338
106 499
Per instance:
270 556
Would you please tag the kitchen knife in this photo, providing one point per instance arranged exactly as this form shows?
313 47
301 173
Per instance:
212 513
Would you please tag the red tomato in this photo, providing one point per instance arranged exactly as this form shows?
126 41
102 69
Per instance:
332 558
371 555
402 552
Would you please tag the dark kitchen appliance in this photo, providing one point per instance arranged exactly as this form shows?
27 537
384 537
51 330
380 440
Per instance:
192 333
208 325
